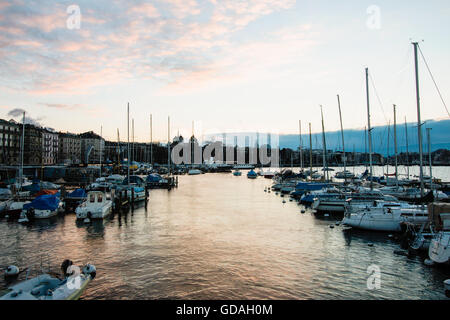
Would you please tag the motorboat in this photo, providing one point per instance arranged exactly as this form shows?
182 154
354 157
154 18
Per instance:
96 206
252 174
14 209
42 207
5 194
344 175
47 287
154 180
194 172
237 173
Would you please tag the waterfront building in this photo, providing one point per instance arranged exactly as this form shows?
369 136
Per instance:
92 147
10 133
69 151
50 145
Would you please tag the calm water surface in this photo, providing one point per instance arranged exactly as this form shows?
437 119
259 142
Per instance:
222 237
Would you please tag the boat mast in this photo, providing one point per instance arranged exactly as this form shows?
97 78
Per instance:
168 144
22 152
395 146
118 151
407 153
369 130
343 144
365 146
388 146
429 157
128 143
132 144
301 144
151 140
419 122
101 134
310 154
324 158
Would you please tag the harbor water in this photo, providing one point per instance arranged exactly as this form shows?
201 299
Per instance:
218 236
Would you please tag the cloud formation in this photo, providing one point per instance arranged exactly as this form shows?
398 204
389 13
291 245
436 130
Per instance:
17 114
175 42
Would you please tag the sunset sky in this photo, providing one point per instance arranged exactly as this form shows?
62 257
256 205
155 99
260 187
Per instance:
229 65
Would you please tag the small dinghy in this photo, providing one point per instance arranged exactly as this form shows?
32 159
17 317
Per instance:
237 173
46 287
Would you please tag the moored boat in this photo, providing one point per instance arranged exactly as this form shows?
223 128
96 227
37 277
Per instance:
47 287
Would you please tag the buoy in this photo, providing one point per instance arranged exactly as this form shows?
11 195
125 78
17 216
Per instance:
284 201
331 226
303 211
338 223
428 262
290 200
370 244
11 272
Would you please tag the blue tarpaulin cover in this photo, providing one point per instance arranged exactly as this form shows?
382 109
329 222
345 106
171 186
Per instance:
44 202
78 193
154 177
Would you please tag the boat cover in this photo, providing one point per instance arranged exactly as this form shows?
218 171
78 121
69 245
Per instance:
44 202
154 177
77 193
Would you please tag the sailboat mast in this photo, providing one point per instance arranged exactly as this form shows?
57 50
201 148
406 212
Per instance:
369 130
151 140
118 151
22 153
388 147
407 153
395 145
429 157
128 143
310 153
101 134
324 146
342 133
132 144
168 144
419 122
301 144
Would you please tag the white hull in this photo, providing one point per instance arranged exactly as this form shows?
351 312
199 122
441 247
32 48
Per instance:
95 213
439 250
381 220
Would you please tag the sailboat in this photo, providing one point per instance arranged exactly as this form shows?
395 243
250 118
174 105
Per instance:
343 174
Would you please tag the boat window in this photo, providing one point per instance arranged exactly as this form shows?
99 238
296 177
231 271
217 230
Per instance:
100 198
92 198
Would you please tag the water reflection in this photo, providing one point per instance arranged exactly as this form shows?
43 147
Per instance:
222 237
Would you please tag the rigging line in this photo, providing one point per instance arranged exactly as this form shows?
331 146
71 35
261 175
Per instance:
378 97
434 81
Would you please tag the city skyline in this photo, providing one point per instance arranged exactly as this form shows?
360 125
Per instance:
232 66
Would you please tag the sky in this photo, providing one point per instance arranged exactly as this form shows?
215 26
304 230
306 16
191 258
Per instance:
227 65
